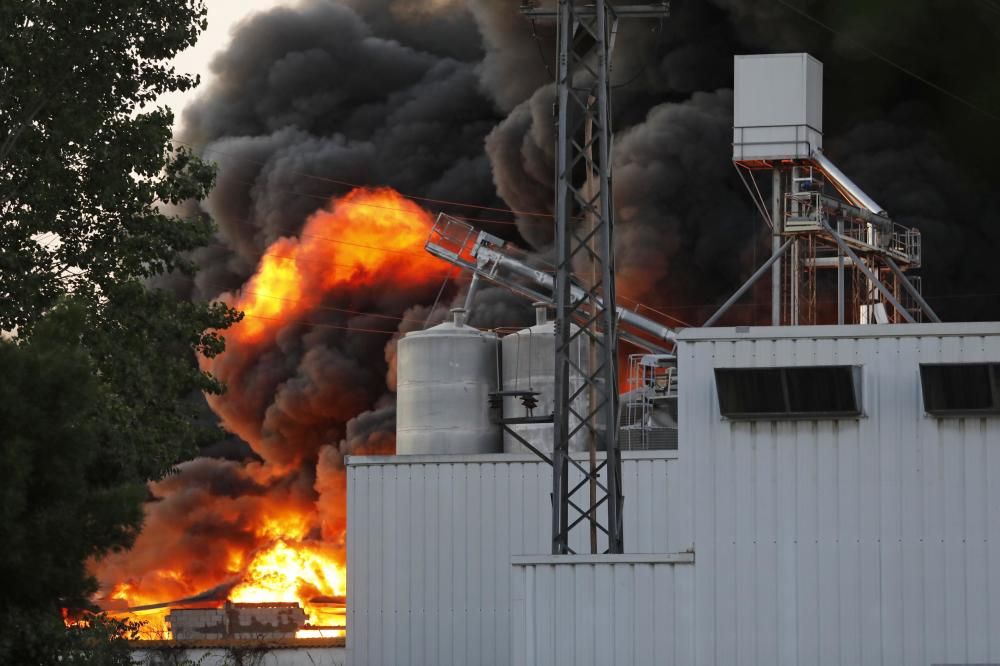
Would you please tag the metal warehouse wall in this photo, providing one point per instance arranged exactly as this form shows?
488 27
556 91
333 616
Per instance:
626 609
866 541
430 541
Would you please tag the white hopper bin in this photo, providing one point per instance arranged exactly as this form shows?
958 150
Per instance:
778 106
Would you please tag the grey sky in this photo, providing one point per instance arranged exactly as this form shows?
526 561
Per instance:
223 16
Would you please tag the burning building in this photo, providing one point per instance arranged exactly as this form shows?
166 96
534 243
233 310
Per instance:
267 621
319 117
280 516
825 497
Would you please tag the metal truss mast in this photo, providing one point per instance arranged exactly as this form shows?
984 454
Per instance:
585 272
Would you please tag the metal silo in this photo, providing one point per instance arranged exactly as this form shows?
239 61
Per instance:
528 359
444 376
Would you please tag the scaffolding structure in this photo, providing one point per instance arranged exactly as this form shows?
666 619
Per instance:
837 257
585 274
833 260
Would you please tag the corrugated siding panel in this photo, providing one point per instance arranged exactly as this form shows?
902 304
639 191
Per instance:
430 545
622 613
869 541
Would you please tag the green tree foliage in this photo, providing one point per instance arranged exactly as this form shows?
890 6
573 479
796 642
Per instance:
97 376
88 177
59 504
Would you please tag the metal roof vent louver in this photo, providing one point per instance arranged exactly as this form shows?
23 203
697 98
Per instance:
960 389
822 391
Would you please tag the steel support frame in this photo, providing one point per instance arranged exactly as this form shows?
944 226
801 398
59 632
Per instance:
911 290
584 47
749 283
872 278
777 226
586 35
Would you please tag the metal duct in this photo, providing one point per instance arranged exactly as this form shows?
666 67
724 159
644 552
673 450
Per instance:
845 184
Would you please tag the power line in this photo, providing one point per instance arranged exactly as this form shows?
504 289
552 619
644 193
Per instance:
330 263
330 308
356 329
541 52
643 306
639 306
694 306
648 61
463 204
447 277
888 61
991 5
341 202
364 245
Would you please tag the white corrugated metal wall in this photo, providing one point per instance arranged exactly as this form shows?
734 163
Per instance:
431 539
603 609
866 541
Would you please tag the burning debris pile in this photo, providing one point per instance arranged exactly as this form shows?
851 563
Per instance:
272 529
312 111
237 621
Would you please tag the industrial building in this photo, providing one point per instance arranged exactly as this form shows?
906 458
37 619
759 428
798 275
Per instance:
819 490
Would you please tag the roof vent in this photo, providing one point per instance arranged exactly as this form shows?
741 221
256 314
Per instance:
822 391
961 389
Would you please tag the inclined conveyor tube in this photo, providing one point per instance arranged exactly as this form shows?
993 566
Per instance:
486 256
844 183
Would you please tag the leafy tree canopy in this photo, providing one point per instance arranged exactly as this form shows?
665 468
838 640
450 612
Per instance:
98 366
89 189
60 502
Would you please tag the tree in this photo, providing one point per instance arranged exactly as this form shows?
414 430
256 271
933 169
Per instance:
59 504
87 173
91 190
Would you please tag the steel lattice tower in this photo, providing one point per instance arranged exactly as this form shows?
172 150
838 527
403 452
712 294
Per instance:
584 244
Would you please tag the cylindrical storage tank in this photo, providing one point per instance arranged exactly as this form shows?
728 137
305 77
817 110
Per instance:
444 376
529 361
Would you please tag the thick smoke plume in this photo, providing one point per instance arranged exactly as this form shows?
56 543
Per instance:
452 101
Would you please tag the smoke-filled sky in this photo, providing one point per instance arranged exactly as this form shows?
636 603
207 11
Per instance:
451 100
926 156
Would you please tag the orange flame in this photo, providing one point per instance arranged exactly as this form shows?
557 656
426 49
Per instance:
367 234
296 572
367 238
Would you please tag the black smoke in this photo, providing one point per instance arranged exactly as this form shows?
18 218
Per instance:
452 100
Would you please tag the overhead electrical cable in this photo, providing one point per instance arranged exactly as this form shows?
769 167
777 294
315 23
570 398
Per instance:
889 61
341 202
645 66
356 329
463 204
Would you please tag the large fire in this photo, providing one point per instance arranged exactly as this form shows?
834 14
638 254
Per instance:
286 549
366 233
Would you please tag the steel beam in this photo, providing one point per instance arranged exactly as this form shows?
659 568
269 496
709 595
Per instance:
652 10
759 273
840 276
586 33
844 183
846 249
908 286
471 294
777 225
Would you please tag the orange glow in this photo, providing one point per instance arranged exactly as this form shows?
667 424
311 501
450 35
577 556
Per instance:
364 242
362 236
305 572
292 572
